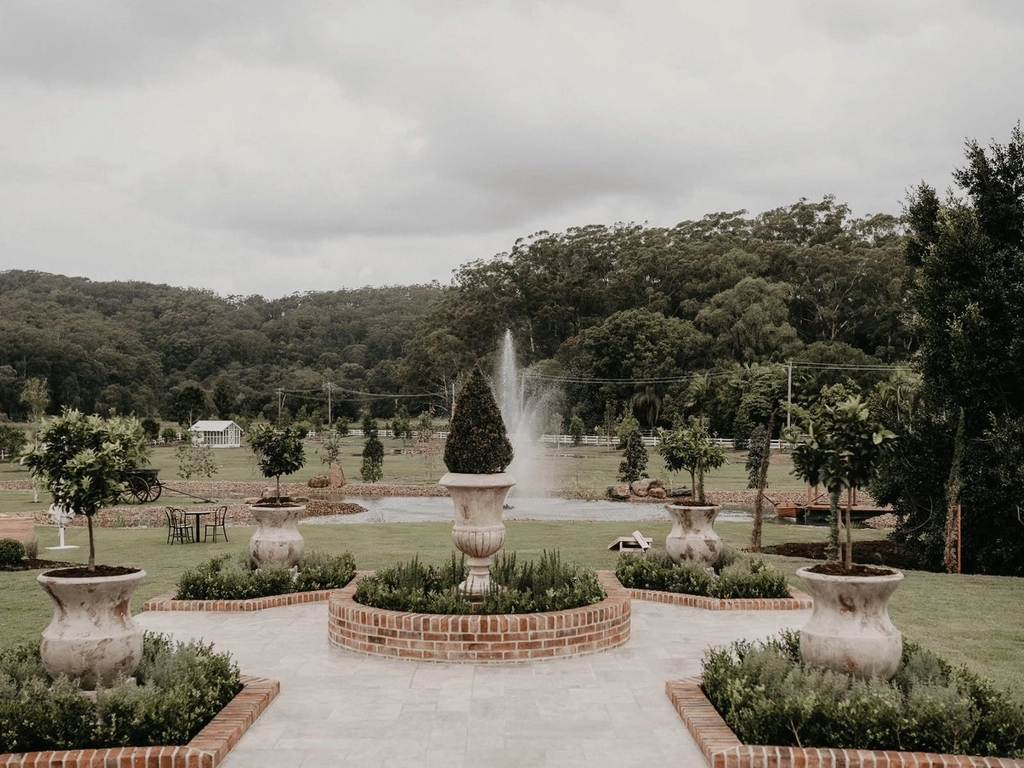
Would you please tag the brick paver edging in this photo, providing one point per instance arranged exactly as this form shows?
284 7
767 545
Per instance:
722 749
207 750
475 638
798 602
167 602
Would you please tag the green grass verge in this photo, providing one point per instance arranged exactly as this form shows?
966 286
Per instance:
585 468
975 620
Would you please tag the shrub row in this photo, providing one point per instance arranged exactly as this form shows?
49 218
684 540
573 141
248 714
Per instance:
236 578
732 577
176 691
767 697
530 587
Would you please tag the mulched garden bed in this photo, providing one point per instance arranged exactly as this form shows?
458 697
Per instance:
874 552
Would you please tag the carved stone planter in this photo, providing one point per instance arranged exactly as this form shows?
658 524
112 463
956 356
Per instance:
693 534
850 630
92 635
277 540
479 531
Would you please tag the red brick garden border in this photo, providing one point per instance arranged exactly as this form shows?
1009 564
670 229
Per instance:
798 602
167 602
207 750
722 749
474 638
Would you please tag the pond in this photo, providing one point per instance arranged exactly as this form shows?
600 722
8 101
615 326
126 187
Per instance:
420 509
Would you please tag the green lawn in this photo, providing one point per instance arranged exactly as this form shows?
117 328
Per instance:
586 468
976 620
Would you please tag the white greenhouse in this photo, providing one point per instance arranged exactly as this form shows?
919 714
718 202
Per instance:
216 434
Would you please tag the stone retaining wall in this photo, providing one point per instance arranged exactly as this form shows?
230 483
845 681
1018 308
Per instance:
797 602
207 750
474 638
722 749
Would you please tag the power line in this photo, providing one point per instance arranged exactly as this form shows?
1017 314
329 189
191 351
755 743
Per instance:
712 374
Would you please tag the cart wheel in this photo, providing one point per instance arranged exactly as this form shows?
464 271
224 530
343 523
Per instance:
155 490
138 489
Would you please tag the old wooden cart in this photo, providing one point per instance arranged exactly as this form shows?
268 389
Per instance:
142 485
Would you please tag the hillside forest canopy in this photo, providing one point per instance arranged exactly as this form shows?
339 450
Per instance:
717 318
696 314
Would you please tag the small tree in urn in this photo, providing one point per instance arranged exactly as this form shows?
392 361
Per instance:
476 454
477 442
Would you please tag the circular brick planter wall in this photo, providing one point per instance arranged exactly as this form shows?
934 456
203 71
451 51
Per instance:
518 637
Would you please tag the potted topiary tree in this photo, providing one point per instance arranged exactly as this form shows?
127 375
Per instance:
277 539
693 535
82 461
849 629
476 453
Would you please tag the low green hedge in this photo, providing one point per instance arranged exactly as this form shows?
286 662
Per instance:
530 587
767 697
176 691
235 577
12 553
733 577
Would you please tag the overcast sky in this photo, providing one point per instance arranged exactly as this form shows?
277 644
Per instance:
262 146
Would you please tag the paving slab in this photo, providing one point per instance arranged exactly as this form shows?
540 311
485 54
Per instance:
341 708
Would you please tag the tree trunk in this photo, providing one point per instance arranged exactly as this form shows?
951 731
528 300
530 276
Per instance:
92 546
949 558
762 483
832 548
848 560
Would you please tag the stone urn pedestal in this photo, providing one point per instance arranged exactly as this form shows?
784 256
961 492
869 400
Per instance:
277 540
693 534
850 630
92 636
479 532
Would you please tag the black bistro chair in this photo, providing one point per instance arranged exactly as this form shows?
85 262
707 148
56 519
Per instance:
219 520
178 528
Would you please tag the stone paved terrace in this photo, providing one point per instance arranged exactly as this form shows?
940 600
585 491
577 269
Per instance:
341 708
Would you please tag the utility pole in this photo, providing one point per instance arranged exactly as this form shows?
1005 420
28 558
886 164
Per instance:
280 403
789 392
329 386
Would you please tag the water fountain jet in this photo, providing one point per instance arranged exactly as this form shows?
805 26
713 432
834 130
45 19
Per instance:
524 420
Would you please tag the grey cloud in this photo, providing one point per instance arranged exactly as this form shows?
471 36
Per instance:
255 143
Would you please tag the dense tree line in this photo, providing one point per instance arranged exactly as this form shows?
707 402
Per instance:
180 354
632 305
962 444
729 293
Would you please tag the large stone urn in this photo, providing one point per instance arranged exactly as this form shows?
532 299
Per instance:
850 630
693 535
479 532
277 540
92 635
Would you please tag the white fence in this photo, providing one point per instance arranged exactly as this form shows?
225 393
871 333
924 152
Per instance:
613 440
599 440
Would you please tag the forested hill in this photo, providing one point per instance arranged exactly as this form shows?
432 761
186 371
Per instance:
729 294
134 346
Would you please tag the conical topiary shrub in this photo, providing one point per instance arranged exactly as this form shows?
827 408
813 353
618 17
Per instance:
477 442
